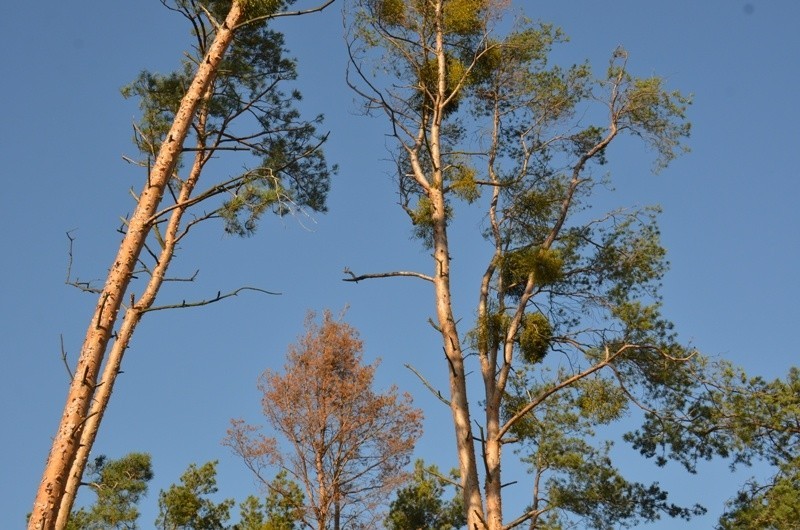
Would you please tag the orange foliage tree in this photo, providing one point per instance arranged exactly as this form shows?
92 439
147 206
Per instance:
344 443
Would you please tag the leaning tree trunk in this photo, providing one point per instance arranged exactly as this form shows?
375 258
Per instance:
133 315
84 383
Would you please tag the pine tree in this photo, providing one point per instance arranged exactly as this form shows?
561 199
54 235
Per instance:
118 485
568 334
189 117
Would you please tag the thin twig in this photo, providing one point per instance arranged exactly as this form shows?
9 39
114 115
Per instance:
189 279
199 303
69 256
64 358
83 286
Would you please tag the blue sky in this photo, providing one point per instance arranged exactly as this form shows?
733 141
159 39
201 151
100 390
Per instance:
730 224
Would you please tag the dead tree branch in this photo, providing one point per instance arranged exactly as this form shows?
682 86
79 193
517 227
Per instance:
456 484
357 279
286 14
428 385
522 518
64 359
209 301
83 286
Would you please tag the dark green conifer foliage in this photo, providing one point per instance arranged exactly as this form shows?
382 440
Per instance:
118 485
421 505
747 420
189 506
281 510
568 332
249 111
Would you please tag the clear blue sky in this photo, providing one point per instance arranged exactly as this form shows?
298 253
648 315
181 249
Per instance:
730 224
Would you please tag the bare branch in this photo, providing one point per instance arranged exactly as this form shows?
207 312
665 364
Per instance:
193 222
285 14
443 478
357 279
522 518
436 393
199 303
64 359
83 286
146 268
547 393
69 254
214 22
189 279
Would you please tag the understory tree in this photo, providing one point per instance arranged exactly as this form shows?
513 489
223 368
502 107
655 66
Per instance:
118 486
228 98
342 442
281 510
567 335
421 505
188 505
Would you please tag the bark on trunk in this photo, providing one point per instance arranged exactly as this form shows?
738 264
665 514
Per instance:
493 447
133 316
459 402
337 515
84 384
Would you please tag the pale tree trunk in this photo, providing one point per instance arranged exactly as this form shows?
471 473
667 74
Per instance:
133 315
489 359
84 383
459 400
492 454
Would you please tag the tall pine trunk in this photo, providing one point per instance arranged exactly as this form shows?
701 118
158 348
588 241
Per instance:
459 400
132 317
76 413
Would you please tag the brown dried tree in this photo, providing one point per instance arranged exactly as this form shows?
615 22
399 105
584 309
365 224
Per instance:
345 444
